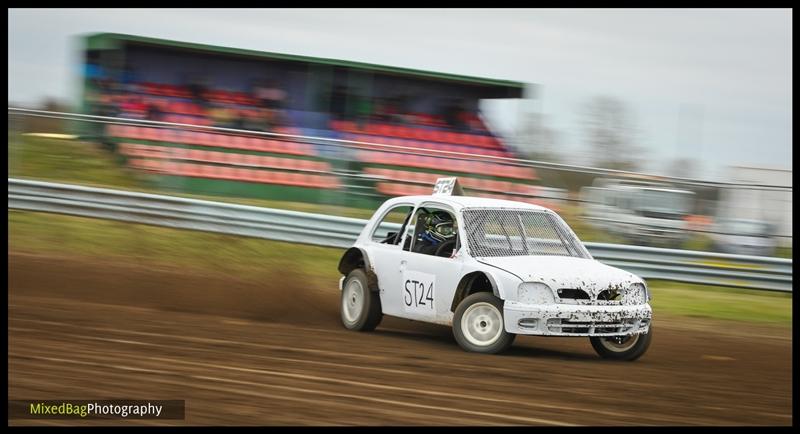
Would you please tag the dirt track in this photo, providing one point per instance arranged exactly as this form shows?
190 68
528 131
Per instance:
276 354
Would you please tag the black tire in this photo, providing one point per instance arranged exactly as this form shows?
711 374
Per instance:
607 349
468 338
360 309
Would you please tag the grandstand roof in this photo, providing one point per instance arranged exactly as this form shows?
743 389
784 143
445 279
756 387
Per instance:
113 40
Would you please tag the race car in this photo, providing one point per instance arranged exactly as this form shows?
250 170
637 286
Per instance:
492 269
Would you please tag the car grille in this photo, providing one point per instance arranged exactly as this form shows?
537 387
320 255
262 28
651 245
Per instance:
557 325
580 296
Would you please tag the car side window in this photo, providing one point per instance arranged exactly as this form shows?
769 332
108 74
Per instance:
432 231
388 230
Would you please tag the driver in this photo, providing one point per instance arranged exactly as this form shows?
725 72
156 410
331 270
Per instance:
439 227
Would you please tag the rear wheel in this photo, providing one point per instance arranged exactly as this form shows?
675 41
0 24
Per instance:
360 307
478 324
628 348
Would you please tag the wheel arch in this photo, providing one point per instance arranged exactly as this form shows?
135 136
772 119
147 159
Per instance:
356 257
470 283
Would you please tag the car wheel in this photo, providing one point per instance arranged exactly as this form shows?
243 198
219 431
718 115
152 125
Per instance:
360 307
628 348
478 324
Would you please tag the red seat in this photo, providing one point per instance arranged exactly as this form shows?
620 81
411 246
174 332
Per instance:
191 170
150 134
378 129
279 146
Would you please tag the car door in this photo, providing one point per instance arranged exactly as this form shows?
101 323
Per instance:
428 282
385 257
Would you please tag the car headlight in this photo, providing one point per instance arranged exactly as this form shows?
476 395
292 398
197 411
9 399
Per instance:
636 294
535 293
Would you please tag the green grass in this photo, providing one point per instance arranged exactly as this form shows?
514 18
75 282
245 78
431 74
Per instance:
784 252
698 242
67 161
250 258
724 303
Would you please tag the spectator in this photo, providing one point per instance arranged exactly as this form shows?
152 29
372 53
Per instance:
133 107
402 111
363 108
222 116
339 103
102 104
198 91
239 120
271 96
451 113
273 119
154 113
465 120
379 113
94 73
395 111
129 79
258 120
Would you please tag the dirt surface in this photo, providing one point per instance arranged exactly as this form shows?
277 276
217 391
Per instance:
275 353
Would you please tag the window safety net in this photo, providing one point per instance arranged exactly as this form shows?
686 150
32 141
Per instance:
510 232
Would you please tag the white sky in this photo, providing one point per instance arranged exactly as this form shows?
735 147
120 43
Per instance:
732 68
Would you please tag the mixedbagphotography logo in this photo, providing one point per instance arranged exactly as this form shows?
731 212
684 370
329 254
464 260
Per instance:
96 409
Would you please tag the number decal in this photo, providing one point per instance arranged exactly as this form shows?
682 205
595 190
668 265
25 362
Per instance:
430 294
419 293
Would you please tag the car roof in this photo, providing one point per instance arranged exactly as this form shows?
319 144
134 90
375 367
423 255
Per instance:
461 202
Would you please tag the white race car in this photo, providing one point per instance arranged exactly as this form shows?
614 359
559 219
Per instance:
492 269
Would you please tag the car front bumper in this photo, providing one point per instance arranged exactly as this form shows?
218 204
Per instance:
576 319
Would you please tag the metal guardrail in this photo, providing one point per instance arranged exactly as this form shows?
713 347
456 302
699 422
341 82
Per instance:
753 272
183 213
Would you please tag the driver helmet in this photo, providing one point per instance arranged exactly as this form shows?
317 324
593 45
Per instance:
440 226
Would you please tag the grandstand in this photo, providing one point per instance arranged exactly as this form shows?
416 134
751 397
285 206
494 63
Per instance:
435 113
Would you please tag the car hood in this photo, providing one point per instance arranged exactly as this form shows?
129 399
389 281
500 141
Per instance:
564 272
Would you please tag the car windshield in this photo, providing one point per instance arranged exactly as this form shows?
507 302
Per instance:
665 201
747 227
514 232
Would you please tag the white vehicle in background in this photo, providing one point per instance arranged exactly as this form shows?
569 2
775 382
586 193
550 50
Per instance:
643 213
492 269
744 237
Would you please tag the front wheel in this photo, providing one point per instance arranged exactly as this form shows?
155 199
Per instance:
478 324
360 307
628 348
